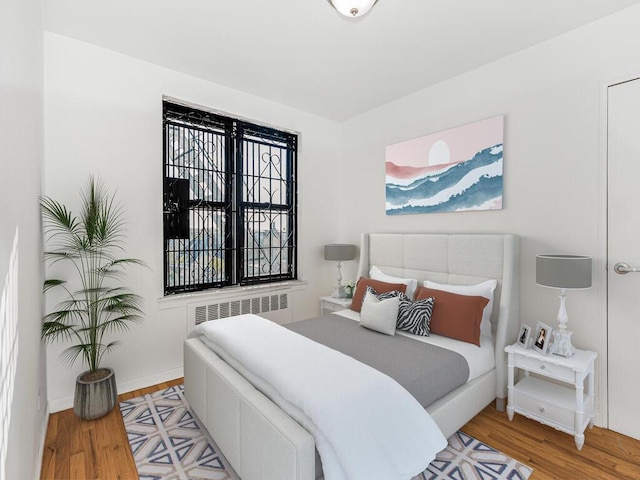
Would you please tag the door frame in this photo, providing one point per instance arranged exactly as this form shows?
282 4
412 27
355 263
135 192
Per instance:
603 358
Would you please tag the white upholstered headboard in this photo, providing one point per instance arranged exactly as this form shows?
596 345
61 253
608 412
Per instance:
456 259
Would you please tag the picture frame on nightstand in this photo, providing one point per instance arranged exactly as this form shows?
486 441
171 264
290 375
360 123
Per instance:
524 336
542 338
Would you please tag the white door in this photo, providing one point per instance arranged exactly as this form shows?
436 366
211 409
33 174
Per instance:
624 248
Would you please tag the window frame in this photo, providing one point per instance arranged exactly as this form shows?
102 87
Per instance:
234 206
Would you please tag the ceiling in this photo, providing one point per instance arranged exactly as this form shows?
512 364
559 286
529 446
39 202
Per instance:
302 53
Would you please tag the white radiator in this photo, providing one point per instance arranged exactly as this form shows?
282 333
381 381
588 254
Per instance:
274 306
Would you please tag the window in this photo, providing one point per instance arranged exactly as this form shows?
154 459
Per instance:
229 201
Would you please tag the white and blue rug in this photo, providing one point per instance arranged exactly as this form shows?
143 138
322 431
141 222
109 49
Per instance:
169 443
466 458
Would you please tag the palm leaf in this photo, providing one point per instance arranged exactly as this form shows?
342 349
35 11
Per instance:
101 216
107 348
114 266
119 296
60 255
48 284
56 330
71 354
69 316
119 324
57 219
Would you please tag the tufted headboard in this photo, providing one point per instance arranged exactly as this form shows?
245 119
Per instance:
456 259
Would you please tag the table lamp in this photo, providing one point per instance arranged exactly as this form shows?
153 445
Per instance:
566 272
339 252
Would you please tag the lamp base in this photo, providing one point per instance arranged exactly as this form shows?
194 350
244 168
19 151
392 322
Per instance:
562 343
338 292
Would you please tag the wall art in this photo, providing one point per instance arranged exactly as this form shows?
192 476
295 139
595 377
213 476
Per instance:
454 170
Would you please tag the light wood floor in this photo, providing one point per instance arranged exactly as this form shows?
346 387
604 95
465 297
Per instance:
98 449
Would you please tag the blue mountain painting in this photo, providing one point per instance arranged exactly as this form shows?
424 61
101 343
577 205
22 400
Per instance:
475 184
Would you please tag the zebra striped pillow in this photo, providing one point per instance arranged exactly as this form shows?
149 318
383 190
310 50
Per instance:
413 317
385 295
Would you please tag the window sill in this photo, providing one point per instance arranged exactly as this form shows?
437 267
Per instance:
229 293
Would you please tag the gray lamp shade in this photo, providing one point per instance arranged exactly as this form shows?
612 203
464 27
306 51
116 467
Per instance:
339 251
563 271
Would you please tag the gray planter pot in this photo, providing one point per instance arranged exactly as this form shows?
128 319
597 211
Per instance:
95 398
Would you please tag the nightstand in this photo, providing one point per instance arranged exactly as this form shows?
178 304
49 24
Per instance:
556 394
331 304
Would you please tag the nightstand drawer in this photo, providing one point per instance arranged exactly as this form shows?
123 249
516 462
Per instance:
544 411
547 402
543 367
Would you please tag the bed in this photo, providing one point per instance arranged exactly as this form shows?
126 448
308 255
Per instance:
262 442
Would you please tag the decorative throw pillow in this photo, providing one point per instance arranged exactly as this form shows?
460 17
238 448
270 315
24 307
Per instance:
484 289
455 316
385 295
381 287
415 317
379 315
411 283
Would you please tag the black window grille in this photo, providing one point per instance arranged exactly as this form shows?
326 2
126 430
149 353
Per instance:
229 201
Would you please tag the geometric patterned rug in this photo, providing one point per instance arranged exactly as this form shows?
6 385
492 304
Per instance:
466 458
169 443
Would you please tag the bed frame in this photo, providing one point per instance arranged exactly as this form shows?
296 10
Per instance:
261 442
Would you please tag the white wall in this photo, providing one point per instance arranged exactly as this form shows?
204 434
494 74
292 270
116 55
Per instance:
22 369
103 115
553 169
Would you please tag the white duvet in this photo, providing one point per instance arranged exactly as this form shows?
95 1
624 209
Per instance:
365 425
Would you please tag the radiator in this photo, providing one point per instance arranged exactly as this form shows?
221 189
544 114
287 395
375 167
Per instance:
274 306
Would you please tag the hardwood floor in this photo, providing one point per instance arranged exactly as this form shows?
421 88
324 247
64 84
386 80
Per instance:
98 449
553 454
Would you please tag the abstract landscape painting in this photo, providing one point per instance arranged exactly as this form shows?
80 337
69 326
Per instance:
453 170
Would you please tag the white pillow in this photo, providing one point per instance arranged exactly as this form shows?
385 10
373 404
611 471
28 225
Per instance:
379 315
412 284
484 289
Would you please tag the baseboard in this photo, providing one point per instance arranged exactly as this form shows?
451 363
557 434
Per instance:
43 438
59 404
150 380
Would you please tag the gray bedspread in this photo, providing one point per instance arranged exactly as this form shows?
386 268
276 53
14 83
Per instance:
426 371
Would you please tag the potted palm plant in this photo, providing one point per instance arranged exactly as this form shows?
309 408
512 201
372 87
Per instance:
95 304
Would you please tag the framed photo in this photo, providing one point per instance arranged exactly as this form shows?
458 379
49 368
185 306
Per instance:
525 335
542 339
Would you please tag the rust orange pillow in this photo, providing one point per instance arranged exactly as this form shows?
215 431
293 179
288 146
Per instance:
378 285
455 316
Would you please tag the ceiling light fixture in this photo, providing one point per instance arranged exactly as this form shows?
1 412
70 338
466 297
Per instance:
352 8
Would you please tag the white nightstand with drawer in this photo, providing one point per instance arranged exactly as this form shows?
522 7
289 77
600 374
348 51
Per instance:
331 304
562 403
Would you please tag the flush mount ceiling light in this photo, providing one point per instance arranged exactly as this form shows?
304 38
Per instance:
352 8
